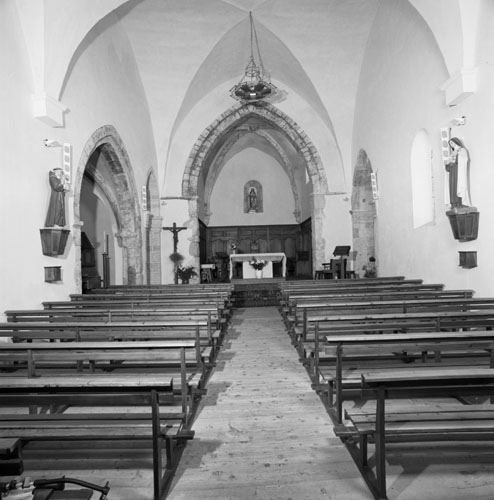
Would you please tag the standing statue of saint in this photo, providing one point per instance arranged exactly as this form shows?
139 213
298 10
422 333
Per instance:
56 208
458 169
252 200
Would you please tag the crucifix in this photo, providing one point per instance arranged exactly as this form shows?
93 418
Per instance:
175 230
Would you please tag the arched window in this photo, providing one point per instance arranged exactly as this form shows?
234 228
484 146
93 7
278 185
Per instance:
422 180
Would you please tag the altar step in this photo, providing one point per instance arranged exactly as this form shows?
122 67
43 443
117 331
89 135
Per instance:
256 292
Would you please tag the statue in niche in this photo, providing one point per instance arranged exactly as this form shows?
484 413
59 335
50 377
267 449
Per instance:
458 169
252 200
56 208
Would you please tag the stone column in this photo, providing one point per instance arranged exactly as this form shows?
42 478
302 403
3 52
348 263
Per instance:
363 237
153 249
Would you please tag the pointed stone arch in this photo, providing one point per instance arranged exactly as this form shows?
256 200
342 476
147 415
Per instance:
208 144
122 197
363 212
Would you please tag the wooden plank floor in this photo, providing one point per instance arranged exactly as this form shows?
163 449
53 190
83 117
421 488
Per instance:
262 433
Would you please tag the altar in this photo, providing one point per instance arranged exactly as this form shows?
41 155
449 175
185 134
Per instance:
249 272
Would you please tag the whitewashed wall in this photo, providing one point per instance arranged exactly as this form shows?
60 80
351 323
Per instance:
399 95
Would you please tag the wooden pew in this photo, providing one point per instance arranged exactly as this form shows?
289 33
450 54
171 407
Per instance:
111 314
173 358
361 306
96 391
431 422
315 326
337 293
339 365
207 342
151 295
306 300
194 288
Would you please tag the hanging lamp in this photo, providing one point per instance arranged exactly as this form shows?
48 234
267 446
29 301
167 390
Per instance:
254 84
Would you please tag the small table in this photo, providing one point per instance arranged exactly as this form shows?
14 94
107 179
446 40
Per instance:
207 272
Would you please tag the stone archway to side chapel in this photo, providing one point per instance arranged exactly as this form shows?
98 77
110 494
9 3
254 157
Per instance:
363 212
311 162
123 200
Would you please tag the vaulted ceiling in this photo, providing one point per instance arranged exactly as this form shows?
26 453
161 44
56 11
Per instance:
189 52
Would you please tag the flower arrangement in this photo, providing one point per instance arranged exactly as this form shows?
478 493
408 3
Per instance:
257 264
233 247
186 272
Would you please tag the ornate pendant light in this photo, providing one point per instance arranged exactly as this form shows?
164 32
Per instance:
254 84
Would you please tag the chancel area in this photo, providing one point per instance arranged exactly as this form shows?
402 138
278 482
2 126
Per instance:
246 249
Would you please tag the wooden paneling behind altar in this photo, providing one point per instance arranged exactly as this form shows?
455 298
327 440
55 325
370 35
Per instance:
293 240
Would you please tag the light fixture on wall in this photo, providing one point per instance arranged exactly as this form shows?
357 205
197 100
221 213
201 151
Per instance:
254 84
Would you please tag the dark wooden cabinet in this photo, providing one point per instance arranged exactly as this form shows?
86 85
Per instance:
293 240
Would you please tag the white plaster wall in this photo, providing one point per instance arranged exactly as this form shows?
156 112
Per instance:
105 89
102 89
24 187
399 95
227 198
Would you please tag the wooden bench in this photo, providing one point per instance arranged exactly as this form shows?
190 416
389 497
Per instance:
417 422
330 308
165 329
210 314
173 359
342 360
320 326
194 287
222 309
290 311
79 424
216 297
358 288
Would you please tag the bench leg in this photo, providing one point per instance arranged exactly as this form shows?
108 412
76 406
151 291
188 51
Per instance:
169 452
330 394
363 450
157 465
380 445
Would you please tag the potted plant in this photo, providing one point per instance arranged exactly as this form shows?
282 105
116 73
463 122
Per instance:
369 269
177 259
185 273
258 265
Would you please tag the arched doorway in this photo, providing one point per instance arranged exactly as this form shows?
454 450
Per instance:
263 127
363 212
106 196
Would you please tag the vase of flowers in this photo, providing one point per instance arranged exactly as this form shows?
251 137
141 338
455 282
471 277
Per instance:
185 273
258 265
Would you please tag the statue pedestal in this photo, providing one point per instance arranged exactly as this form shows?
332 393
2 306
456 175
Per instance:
53 240
464 223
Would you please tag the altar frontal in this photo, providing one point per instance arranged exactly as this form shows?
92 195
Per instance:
249 272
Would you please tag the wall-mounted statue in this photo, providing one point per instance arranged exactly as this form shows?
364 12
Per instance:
463 217
252 200
253 197
56 208
458 168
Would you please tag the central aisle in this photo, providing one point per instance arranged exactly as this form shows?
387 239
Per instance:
261 431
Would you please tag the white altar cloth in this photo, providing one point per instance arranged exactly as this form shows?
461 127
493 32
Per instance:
245 258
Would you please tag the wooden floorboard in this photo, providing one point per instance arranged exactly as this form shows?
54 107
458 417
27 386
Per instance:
263 434
261 431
